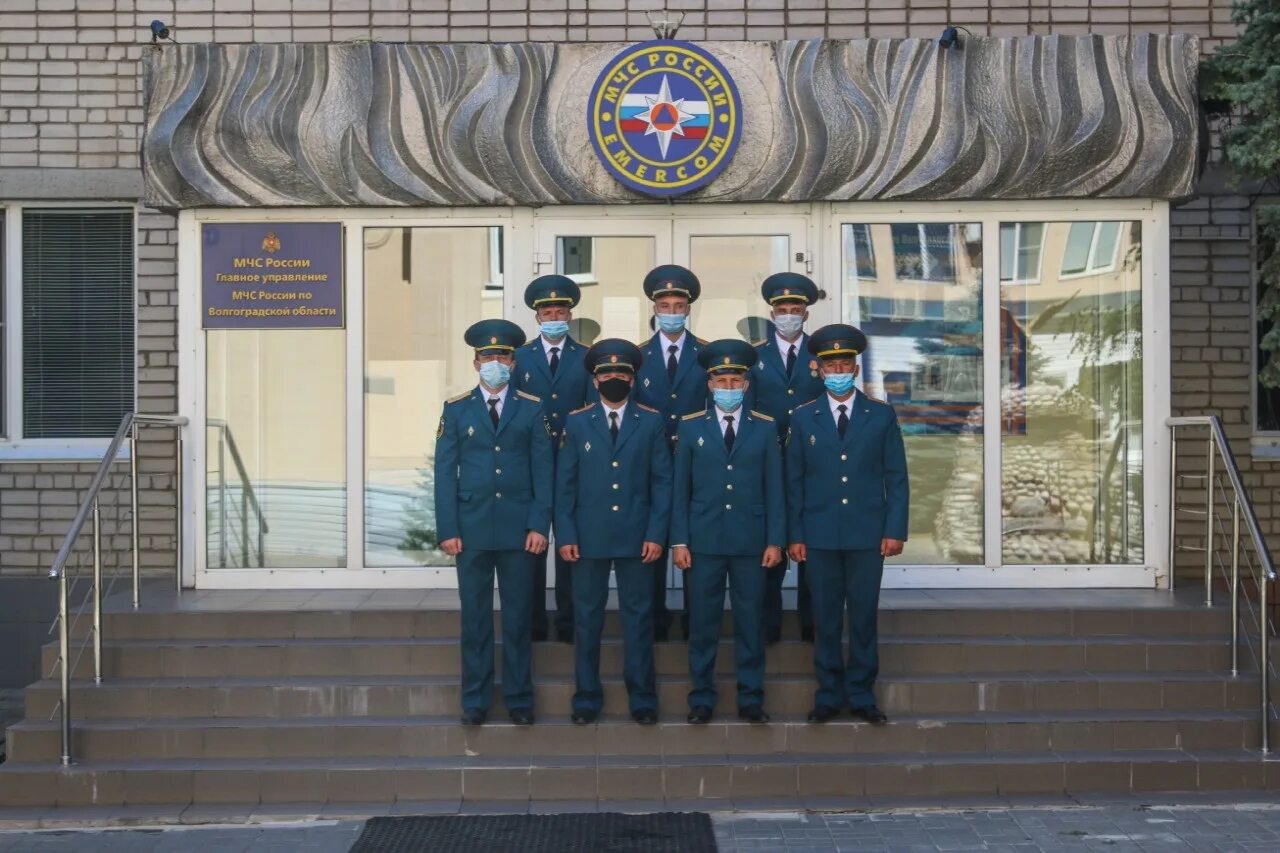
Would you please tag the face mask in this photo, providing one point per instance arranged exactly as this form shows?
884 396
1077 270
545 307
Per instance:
728 399
554 330
789 325
838 384
494 374
615 390
672 323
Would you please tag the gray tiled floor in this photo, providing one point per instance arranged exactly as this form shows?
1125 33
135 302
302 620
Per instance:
1151 829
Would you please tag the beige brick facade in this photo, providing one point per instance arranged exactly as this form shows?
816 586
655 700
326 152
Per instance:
71 113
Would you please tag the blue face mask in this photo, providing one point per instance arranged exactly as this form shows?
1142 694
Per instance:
495 374
789 325
554 330
728 399
838 384
672 323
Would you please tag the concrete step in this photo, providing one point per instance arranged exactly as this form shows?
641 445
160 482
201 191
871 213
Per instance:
598 778
398 696
264 739
396 622
939 654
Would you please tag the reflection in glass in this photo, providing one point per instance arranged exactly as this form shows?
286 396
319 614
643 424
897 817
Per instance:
923 321
275 448
731 269
1071 398
610 271
1020 246
423 288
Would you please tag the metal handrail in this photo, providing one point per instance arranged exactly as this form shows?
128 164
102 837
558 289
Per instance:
1242 508
248 497
89 506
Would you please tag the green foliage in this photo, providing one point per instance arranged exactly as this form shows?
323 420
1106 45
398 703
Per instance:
1241 84
420 518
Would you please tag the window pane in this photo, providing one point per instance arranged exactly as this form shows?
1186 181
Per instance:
731 269
77 322
1071 444
1075 257
275 448
924 356
613 303
1029 246
1104 250
415 359
859 257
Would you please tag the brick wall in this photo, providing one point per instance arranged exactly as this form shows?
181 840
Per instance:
71 101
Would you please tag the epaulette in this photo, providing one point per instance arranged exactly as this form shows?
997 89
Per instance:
464 395
760 342
529 396
583 409
807 402
693 416
699 340
761 415
874 400
647 408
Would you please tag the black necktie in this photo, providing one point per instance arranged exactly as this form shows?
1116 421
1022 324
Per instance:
555 358
728 432
791 359
493 410
613 426
671 363
842 422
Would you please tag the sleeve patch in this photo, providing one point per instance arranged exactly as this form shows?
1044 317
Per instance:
761 415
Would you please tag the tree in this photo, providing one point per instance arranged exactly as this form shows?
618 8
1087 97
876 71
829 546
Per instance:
1240 86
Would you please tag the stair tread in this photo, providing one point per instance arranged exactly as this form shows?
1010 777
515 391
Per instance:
647 760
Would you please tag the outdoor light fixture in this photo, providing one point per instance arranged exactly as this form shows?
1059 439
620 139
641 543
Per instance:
951 37
159 32
666 26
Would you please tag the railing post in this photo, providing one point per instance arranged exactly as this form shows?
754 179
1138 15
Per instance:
1208 527
97 594
64 650
177 487
1235 587
1265 675
1173 505
133 516
222 497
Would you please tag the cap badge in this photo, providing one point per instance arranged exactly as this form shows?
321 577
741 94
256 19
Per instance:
553 294
786 291
613 359
493 340
726 359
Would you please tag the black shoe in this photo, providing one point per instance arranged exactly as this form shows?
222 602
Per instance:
660 634
806 635
565 635
538 635
645 716
522 717
753 714
871 714
773 637
822 713
584 718
699 714
474 717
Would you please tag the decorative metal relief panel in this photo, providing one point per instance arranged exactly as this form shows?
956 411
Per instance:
484 124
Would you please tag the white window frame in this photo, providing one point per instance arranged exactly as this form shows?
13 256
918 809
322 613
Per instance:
13 446
524 257
1092 267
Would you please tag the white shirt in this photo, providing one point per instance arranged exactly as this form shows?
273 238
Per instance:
836 404
547 345
784 346
501 394
724 425
667 344
621 410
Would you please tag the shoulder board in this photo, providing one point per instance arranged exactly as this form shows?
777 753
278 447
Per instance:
699 340
647 408
693 416
761 415
459 398
583 409
529 396
874 400
760 342
809 402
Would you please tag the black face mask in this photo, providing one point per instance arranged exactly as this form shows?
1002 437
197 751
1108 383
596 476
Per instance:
615 390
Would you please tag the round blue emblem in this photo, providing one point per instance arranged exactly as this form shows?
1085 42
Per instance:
664 117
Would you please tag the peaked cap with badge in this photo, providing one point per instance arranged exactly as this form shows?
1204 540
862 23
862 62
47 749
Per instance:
672 279
789 287
613 354
728 355
490 337
839 340
552 290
